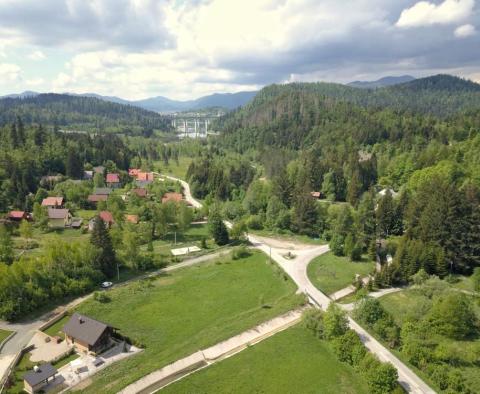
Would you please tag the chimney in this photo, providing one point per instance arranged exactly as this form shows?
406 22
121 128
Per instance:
36 368
80 320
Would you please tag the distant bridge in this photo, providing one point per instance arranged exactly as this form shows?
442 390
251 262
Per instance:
193 125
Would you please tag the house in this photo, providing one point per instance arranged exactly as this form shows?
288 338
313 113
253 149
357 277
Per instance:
140 192
52 202
18 216
103 191
87 175
113 180
133 172
175 197
87 335
94 198
316 195
132 219
145 176
59 217
107 218
34 381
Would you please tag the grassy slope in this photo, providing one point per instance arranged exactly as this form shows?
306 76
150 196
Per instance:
293 361
188 310
4 334
331 273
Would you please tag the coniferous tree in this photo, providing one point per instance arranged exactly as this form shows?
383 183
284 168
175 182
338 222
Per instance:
218 229
6 246
73 165
100 238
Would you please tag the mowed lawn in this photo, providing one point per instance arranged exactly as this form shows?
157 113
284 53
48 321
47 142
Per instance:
190 309
292 361
4 335
331 273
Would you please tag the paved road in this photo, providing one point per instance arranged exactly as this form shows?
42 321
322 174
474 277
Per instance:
297 270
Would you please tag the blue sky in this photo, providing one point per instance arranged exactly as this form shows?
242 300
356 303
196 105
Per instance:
186 49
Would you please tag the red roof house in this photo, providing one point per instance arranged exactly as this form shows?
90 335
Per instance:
175 197
133 172
18 216
52 202
107 217
145 176
113 178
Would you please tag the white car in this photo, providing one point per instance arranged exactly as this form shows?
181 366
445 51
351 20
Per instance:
106 285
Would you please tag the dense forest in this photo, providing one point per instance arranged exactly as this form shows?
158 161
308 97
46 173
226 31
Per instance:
83 113
313 138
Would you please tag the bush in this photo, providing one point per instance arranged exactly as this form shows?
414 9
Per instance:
312 319
349 348
101 296
335 321
255 222
369 310
240 252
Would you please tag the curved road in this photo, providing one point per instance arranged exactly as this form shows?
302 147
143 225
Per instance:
297 270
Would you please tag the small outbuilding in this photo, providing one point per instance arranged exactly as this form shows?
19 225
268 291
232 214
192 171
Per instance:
175 197
59 217
18 216
113 180
34 381
87 335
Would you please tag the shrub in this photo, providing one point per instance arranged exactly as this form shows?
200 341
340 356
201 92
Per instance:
101 296
335 321
312 319
349 348
240 252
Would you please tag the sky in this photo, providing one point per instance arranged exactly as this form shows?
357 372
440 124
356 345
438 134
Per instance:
184 49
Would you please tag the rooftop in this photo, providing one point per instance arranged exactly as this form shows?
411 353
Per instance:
52 201
175 197
113 178
84 328
42 373
57 213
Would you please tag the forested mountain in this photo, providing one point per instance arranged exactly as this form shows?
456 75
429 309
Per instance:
441 96
382 82
164 104
84 113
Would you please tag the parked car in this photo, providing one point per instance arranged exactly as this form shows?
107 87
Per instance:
106 285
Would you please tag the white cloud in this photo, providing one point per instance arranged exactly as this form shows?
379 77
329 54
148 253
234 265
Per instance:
37 55
9 72
35 82
465 31
425 13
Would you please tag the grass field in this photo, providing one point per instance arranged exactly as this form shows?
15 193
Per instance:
331 273
55 328
293 361
178 171
193 236
4 334
193 308
289 237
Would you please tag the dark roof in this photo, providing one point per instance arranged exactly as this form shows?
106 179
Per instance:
84 328
43 372
102 190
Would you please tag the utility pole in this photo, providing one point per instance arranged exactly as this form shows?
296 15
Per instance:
175 237
118 273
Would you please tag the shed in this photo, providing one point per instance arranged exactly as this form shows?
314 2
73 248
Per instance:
34 381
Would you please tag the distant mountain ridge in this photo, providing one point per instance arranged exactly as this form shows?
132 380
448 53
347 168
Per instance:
382 82
163 104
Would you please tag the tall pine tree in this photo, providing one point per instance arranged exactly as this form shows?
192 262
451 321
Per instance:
100 238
